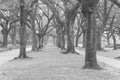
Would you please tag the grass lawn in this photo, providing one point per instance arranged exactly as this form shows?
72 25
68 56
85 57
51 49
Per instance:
49 64
107 52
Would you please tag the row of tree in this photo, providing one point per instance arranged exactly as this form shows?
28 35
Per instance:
65 20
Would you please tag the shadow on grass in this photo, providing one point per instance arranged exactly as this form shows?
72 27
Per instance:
118 58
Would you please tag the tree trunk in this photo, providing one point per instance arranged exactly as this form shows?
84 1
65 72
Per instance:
108 41
22 42
40 42
98 42
77 37
84 39
5 34
63 42
13 36
23 18
90 51
70 43
54 40
34 36
114 42
76 42
5 40
59 42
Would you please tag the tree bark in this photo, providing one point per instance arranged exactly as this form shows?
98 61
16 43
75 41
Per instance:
34 38
40 42
70 15
98 42
76 42
58 40
108 39
114 42
63 42
90 51
33 18
13 35
5 34
70 43
77 37
5 38
22 30
84 39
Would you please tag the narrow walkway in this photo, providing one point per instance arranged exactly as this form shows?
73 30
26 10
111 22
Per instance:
109 61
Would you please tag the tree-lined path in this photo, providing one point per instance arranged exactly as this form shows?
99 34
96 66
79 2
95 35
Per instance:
5 56
65 23
50 64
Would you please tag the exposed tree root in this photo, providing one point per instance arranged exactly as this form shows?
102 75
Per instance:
93 66
26 57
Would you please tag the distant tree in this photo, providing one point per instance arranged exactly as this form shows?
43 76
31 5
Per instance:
79 30
105 12
112 29
59 22
5 31
34 5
